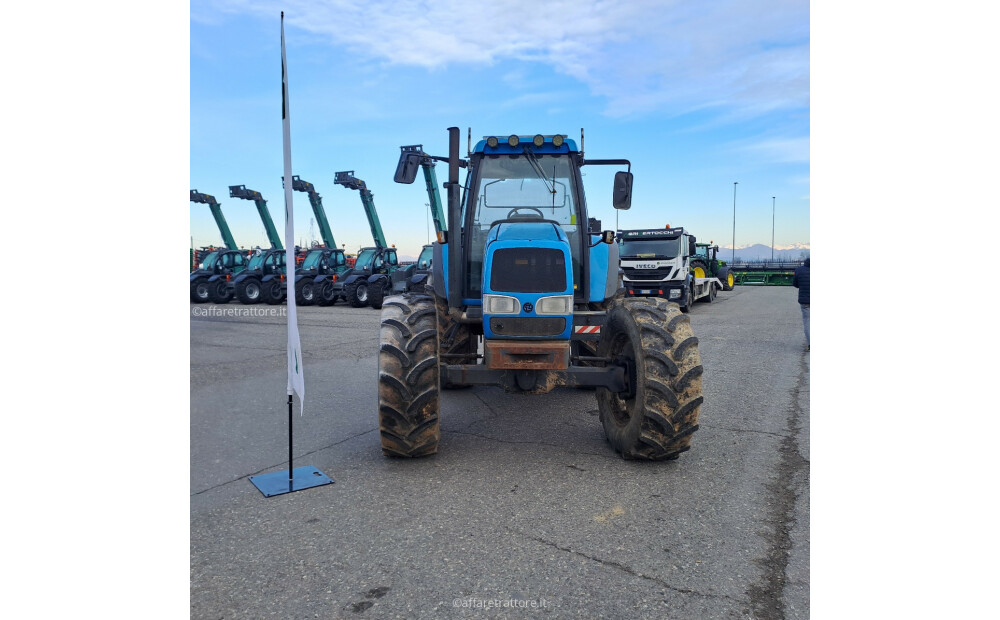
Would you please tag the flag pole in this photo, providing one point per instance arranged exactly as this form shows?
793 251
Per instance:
306 477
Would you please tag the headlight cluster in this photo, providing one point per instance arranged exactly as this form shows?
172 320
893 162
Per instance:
514 140
560 304
676 292
500 304
504 304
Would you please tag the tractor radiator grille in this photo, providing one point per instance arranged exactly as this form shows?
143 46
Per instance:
528 270
527 326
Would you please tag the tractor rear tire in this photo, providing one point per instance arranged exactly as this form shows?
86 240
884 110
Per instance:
199 291
305 292
409 392
219 292
271 292
248 291
376 295
455 339
727 278
357 294
655 341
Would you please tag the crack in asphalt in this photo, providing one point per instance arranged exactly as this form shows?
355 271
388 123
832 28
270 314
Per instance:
244 477
766 600
622 567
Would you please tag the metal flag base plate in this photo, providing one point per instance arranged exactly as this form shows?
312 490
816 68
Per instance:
277 483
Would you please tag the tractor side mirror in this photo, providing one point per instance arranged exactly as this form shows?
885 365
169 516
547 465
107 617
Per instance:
608 236
406 170
621 197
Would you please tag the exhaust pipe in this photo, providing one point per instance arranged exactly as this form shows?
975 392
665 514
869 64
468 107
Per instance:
455 272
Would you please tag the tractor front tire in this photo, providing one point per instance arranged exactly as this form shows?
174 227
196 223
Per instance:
325 295
727 278
248 291
199 291
357 294
271 292
219 292
376 295
305 292
655 342
699 269
409 392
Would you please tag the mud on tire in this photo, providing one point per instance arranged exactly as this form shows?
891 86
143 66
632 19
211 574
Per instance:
409 402
657 423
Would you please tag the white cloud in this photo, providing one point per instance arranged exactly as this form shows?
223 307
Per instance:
644 56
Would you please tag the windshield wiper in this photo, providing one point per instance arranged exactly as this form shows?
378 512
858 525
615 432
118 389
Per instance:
538 170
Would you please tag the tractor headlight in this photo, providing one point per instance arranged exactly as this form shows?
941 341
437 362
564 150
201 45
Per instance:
676 292
538 140
513 141
557 141
492 142
500 304
559 304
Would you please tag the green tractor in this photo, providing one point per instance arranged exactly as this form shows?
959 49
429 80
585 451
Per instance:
706 263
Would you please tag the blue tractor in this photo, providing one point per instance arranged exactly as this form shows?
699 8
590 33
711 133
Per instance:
524 295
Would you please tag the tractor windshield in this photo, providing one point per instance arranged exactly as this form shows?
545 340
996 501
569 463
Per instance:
312 259
426 255
365 258
651 248
256 262
209 261
512 187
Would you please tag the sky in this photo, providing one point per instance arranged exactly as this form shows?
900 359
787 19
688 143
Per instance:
697 95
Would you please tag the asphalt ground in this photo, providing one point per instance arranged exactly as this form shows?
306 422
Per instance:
525 510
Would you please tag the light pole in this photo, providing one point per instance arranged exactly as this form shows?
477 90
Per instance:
735 183
772 229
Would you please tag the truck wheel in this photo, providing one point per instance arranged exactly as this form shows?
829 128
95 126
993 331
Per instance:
248 291
689 303
357 294
727 278
711 294
655 342
199 291
456 340
219 292
409 401
271 292
375 295
305 292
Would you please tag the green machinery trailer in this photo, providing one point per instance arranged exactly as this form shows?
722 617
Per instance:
765 273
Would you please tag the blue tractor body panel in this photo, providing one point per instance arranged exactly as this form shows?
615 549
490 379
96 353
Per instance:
526 243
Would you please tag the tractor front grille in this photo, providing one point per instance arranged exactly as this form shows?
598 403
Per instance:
527 326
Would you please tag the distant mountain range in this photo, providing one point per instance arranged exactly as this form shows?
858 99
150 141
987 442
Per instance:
759 251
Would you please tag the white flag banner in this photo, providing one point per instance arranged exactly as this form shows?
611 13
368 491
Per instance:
296 380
